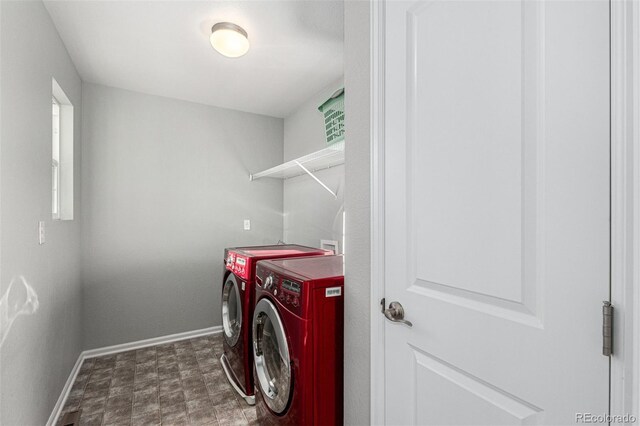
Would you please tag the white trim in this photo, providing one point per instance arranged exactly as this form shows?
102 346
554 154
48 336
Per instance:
635 113
92 353
625 205
377 390
57 409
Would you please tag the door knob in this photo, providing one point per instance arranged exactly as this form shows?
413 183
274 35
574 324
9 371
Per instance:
395 313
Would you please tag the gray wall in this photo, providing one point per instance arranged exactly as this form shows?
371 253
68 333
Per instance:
41 349
165 189
310 212
357 204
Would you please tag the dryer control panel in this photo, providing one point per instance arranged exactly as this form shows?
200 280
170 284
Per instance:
284 289
289 293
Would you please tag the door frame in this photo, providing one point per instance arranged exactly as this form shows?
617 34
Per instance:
625 207
377 353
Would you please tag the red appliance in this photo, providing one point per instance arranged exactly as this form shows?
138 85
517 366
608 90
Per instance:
298 341
237 308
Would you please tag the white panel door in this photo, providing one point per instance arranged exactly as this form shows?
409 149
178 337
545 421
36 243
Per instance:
496 210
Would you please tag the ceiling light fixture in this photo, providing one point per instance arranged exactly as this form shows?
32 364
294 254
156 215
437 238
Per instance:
229 39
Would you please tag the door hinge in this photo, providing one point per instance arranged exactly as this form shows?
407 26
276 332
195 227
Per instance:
607 328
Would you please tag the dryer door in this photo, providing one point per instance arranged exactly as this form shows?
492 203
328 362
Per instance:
271 356
231 310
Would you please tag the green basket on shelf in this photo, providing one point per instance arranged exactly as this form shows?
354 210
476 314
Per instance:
333 111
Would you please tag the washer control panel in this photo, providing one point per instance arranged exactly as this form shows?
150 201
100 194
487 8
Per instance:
237 264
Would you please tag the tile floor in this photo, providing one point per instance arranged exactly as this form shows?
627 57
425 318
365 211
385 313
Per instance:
179 383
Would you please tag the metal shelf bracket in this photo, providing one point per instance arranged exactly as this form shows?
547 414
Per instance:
335 195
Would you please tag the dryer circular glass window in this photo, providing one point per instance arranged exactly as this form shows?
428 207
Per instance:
231 310
271 356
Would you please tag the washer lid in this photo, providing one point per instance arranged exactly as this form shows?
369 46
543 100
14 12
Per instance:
271 356
231 310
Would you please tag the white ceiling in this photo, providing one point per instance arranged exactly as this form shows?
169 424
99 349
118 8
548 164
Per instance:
162 48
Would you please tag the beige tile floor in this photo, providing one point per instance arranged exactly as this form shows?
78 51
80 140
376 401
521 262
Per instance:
179 383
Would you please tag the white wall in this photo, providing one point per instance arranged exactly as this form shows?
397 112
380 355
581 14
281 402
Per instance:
165 189
40 349
310 212
357 319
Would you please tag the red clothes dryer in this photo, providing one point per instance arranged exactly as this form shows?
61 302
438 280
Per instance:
237 308
298 341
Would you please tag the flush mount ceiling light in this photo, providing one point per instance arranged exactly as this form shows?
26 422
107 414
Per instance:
229 39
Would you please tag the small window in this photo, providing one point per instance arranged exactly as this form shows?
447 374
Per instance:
61 154
55 161
55 177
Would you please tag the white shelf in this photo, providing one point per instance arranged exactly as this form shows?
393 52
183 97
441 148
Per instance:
325 158
330 156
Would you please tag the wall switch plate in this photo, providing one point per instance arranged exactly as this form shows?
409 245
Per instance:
41 232
247 225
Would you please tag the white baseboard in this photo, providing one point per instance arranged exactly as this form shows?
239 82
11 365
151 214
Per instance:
92 353
57 409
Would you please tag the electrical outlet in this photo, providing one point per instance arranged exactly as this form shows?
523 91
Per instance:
247 225
41 232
